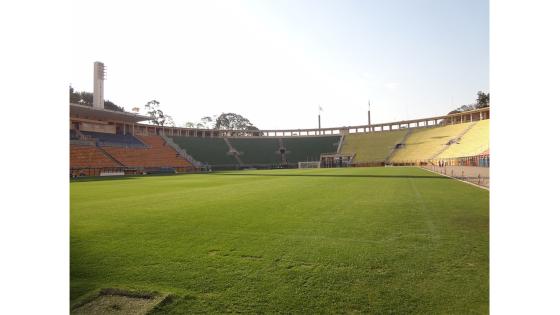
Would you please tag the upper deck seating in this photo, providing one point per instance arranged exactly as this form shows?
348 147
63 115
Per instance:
157 154
303 149
474 142
109 139
213 151
257 151
372 146
83 156
425 143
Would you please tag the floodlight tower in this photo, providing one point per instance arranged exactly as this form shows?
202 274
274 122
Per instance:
369 115
99 75
319 117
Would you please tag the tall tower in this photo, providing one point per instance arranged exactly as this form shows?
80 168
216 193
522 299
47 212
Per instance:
319 116
369 115
98 78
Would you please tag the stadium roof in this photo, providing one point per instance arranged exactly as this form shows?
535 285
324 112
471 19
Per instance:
84 111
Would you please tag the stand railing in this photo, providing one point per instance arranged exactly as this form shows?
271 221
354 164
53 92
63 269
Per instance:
181 151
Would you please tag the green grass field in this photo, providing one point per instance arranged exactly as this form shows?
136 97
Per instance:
375 240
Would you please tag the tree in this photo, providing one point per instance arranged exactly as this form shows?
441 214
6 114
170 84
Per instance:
483 100
232 121
157 116
74 97
112 106
229 121
86 98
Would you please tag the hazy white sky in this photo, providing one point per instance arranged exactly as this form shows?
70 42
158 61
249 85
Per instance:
276 61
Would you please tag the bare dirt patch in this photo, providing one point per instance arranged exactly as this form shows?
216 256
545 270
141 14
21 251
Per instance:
119 302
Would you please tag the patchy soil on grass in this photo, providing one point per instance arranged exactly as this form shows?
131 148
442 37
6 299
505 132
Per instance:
119 304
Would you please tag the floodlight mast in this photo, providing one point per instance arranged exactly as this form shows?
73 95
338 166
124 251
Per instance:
369 115
99 75
319 118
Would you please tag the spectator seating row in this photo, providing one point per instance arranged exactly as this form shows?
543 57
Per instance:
156 154
372 146
257 151
473 142
84 156
213 151
109 139
426 143
304 149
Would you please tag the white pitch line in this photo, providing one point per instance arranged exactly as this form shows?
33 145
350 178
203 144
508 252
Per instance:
464 181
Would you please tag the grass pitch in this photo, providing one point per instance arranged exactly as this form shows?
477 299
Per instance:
376 240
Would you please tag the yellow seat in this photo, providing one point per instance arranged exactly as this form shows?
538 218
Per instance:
373 146
474 142
425 143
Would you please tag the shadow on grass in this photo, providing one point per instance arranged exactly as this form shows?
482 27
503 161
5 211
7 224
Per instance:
226 173
104 178
337 175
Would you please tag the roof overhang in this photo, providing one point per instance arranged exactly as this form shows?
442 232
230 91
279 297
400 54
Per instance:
83 111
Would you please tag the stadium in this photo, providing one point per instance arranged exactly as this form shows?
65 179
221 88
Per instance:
378 218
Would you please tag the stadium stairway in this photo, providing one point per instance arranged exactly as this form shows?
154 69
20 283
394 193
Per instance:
340 143
371 146
237 152
157 154
473 142
181 151
257 151
211 151
90 156
394 149
454 140
233 152
424 143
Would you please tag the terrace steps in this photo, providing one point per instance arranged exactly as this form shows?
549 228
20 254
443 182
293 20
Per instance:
233 152
458 138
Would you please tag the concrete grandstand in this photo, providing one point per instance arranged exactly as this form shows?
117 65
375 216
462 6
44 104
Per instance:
109 142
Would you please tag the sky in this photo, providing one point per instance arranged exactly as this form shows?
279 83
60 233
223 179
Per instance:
276 61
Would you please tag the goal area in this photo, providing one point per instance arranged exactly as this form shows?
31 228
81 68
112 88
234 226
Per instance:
314 164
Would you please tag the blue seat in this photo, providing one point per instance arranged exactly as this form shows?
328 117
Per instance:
109 139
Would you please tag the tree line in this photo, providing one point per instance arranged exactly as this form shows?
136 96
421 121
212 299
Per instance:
86 98
482 101
224 121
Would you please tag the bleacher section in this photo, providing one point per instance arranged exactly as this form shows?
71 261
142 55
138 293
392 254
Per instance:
303 149
82 156
74 135
474 142
257 151
373 146
156 155
212 151
425 143
109 139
